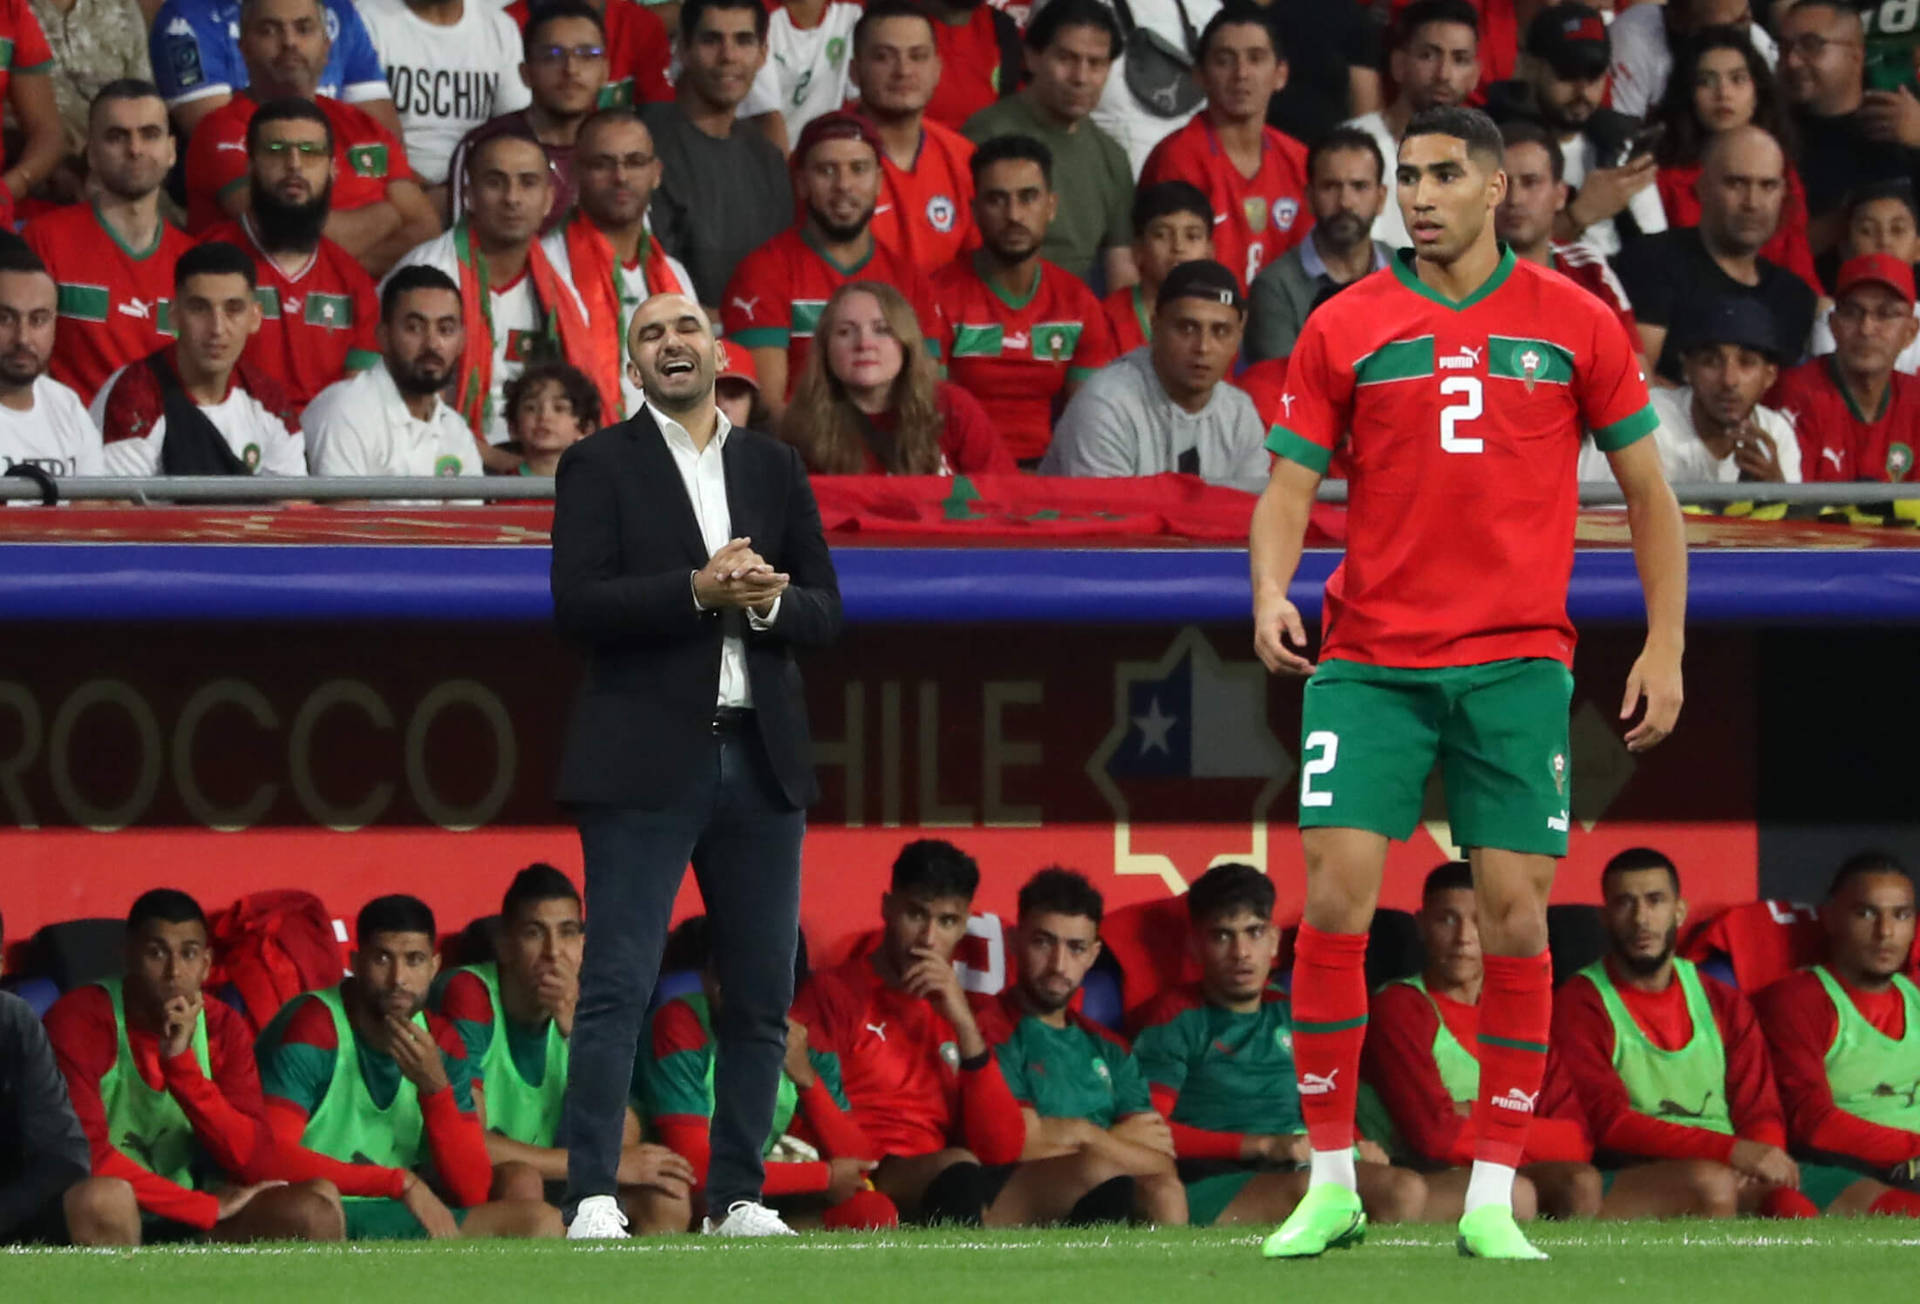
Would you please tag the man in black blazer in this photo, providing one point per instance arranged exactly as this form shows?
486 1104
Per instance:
688 563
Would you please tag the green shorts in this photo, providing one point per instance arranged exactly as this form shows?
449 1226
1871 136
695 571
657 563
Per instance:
1825 1183
1370 735
1208 1197
385 1220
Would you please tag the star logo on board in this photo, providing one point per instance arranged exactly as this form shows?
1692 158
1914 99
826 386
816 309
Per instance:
1190 736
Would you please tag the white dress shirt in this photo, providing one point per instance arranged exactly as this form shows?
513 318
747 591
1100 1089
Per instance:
704 474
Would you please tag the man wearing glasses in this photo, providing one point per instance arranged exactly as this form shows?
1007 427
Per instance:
317 306
565 70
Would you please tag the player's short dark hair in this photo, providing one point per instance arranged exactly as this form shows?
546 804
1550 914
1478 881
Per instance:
1450 877
1012 149
552 11
1634 859
1165 198
398 913
536 883
514 132
1470 125
1058 891
215 258
933 868
1424 13
1236 13
415 276
1227 888
17 255
165 905
246 6
1346 138
1058 15
124 88
581 394
1525 131
881 10
694 10
1863 863
1900 188
287 108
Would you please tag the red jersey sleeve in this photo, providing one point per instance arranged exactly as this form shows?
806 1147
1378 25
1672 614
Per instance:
454 1136
967 436
1800 1024
1397 1062
758 311
216 162
1164 164
228 1113
1614 402
1193 1142
645 50
31 53
365 351
310 1028
1316 404
1095 347
465 999
991 1123
1752 1099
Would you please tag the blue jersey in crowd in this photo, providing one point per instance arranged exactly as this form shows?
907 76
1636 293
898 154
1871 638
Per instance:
196 51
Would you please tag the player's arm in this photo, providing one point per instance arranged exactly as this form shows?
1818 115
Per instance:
228 1113
455 1138
1397 1062
296 1068
1800 1024
30 94
1753 1103
1660 555
1274 546
418 224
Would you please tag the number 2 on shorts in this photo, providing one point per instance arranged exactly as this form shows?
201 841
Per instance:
1328 744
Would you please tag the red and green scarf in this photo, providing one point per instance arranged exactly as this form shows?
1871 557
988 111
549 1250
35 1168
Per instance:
597 280
566 329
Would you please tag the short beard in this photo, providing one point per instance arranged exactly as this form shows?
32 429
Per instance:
1344 230
1038 1002
414 383
837 233
282 226
14 379
1647 966
1008 257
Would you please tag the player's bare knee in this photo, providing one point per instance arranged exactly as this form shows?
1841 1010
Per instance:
314 1215
533 1220
516 1180
1582 1194
102 1211
1716 1188
1400 1197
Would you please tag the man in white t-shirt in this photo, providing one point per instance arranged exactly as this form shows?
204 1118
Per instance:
42 422
389 419
196 407
1712 429
809 45
451 66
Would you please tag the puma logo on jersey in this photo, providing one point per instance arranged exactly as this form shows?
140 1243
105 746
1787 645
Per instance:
290 306
237 146
1017 342
878 1029
1833 455
1314 1084
746 305
141 308
1516 1100
1558 823
1466 360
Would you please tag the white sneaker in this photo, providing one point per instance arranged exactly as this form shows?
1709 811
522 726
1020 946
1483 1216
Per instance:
598 1219
745 1218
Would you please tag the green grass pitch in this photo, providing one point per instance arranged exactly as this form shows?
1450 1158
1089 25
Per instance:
1684 1263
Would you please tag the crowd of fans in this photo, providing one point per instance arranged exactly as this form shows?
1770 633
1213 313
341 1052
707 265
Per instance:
410 1101
403 237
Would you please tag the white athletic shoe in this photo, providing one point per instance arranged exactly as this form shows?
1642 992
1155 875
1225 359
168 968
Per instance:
746 1218
598 1219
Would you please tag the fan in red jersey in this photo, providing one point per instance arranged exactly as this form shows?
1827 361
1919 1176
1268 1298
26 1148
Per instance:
318 309
1172 224
113 257
917 1067
1460 375
979 57
1255 177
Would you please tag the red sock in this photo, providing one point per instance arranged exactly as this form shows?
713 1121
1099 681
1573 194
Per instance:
1329 1023
1516 1016
1897 1204
1785 1202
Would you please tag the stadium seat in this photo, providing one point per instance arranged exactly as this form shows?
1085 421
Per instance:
39 993
472 944
1103 994
674 983
1577 937
1394 949
78 952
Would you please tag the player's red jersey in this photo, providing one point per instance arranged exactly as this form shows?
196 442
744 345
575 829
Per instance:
899 1058
1838 441
1255 219
1129 318
116 303
315 325
969 67
1464 422
638 52
926 214
23 48
778 292
1016 357
366 158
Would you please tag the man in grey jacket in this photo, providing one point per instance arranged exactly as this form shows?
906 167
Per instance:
1166 406
44 1159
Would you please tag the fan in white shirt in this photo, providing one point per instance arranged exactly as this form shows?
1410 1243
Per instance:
809 45
451 65
389 420
1713 430
42 422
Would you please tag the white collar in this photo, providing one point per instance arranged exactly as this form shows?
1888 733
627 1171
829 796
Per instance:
395 401
674 432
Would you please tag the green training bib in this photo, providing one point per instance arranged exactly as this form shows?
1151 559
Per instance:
524 1111
145 1125
1459 1074
348 1125
1686 1086
1871 1075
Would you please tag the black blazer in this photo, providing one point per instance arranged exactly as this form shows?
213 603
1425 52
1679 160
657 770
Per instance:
625 546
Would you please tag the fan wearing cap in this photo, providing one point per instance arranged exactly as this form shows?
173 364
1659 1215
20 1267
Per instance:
774 300
1857 417
736 388
1435 62
1881 219
1255 177
1021 335
1713 429
1167 407
1563 85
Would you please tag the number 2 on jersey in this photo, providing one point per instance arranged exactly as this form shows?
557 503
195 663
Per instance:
1467 408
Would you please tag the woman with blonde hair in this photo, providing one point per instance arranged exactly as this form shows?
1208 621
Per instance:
870 400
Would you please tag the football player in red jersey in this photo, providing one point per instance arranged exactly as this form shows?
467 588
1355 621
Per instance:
1463 381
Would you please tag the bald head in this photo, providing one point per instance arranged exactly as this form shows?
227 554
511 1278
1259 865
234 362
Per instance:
670 344
1743 180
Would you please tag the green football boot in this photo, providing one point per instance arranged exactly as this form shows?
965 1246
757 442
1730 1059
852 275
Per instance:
1329 1217
1490 1232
